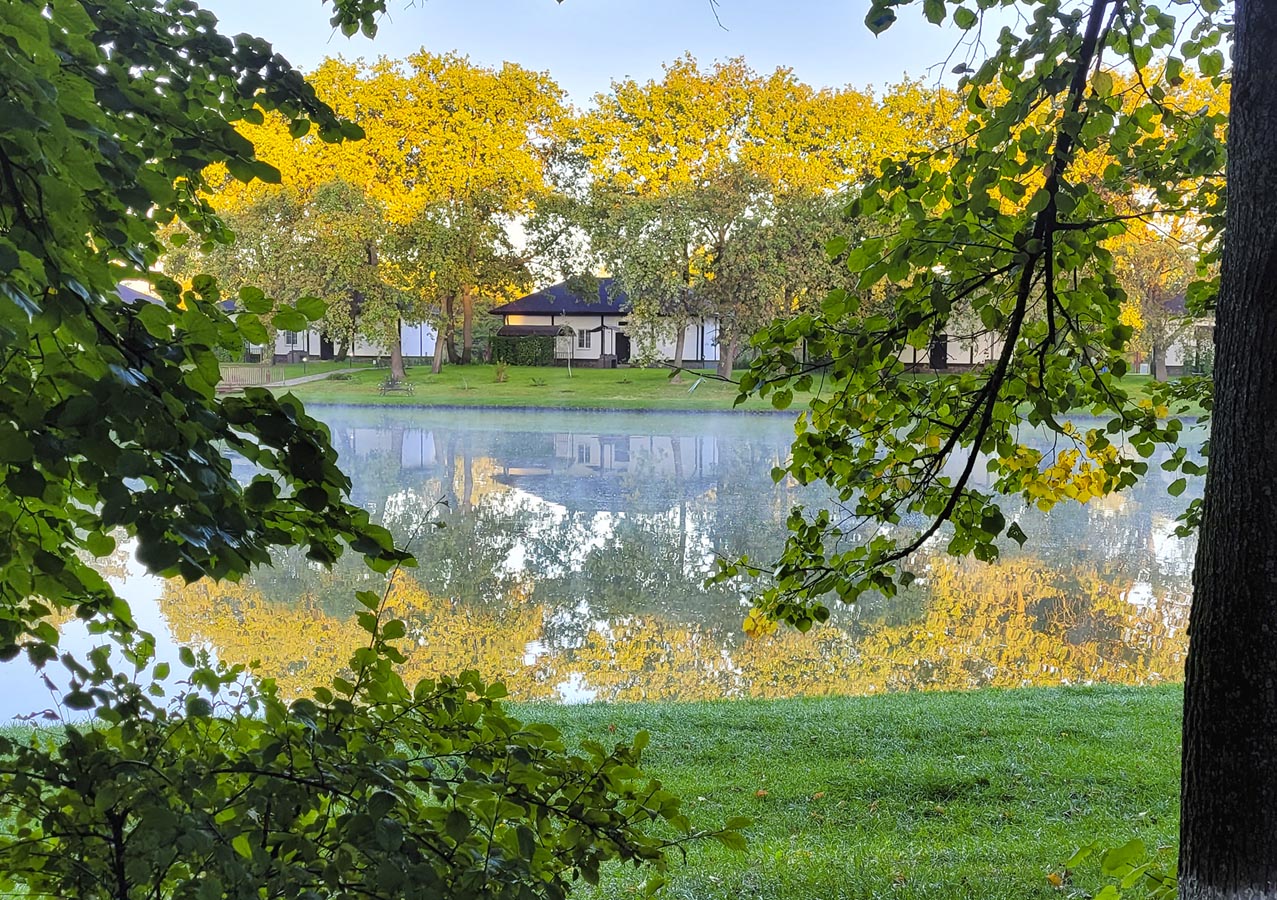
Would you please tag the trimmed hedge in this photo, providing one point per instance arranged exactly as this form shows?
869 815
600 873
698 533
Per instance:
530 350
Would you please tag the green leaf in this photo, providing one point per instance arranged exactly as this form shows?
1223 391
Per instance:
880 18
1177 487
964 18
457 825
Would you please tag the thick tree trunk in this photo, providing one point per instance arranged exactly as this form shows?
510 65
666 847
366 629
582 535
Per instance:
397 371
680 342
437 366
1158 359
450 310
727 356
467 325
1228 831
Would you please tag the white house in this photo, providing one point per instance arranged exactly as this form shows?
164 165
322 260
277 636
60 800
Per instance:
291 346
598 331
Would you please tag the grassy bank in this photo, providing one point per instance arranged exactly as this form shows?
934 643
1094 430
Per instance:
911 796
477 385
978 795
549 387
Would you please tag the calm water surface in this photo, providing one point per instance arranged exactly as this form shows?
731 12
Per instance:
571 563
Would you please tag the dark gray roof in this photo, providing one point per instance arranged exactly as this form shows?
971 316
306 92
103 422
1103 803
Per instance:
526 330
561 299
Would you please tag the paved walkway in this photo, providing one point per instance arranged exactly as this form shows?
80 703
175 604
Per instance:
320 376
228 387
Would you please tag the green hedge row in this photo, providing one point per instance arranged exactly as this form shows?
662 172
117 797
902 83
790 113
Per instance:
532 350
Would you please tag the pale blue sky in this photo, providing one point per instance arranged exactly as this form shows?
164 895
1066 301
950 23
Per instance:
585 44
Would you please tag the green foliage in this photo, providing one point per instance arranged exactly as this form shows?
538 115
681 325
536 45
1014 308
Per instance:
530 350
111 428
373 789
1000 238
1128 866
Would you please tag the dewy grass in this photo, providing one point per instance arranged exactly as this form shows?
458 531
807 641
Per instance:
958 795
917 796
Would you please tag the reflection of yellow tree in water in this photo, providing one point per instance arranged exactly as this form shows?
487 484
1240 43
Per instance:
1011 624
302 645
1019 622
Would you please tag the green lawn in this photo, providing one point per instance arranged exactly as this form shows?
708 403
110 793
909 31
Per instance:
913 796
476 385
548 387
961 795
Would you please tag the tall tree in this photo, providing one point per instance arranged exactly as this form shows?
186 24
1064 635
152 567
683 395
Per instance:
1002 224
449 144
684 168
1155 265
111 427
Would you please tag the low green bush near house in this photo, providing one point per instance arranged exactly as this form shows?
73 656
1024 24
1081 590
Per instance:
530 350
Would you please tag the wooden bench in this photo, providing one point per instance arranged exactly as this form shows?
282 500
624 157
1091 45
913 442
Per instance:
391 386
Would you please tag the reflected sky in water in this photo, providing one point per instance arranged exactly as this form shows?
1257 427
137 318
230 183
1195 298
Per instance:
574 548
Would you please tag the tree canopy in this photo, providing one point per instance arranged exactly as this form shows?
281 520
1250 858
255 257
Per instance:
112 430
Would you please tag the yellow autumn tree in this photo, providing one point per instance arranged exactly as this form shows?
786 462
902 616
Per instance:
453 153
702 181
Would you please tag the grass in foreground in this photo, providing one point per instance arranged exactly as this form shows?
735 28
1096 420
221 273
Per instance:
965 795
925 796
551 387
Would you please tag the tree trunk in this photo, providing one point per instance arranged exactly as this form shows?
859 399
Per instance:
1228 831
450 331
679 349
727 356
467 325
397 372
437 366
1157 356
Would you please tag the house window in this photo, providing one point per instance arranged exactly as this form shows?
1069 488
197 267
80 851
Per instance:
290 338
583 455
583 339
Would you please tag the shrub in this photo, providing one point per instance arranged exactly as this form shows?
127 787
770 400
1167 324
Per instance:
529 350
502 373
372 789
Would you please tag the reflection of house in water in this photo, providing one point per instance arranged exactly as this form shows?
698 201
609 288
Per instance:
613 473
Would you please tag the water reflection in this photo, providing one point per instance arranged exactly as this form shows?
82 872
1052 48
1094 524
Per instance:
575 547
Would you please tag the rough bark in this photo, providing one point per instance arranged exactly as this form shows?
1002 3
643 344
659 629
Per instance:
397 371
449 311
467 325
727 356
437 365
1228 832
1158 360
680 341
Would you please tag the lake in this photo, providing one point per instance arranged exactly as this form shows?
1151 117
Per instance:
566 553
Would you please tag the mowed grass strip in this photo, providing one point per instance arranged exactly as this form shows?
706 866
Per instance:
955 795
552 387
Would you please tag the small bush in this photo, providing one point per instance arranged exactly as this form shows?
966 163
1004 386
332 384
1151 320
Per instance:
502 374
539 382
339 376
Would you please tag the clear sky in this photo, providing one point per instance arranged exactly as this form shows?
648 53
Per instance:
586 44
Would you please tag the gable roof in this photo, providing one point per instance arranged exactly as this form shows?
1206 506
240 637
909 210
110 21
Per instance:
561 299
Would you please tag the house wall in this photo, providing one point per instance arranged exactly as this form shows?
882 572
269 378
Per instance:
700 341
959 354
602 344
646 340
417 340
